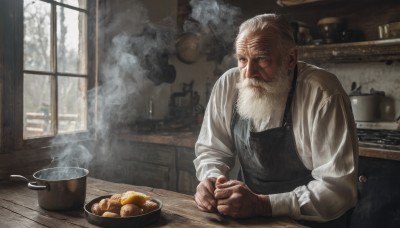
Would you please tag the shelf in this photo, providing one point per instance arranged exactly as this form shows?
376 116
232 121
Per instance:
365 51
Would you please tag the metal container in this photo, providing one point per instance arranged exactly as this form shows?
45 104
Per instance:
60 188
330 28
121 222
366 107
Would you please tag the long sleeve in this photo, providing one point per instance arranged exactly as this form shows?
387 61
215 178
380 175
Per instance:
215 154
326 142
325 138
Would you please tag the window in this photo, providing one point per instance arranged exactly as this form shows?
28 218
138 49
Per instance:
55 72
48 63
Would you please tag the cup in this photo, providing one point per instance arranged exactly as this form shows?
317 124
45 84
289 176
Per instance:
383 31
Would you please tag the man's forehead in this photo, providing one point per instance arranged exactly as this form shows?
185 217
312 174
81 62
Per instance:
263 41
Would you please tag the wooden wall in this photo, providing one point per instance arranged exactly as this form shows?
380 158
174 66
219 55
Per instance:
361 15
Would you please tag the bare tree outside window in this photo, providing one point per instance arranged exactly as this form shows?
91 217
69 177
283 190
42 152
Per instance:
55 67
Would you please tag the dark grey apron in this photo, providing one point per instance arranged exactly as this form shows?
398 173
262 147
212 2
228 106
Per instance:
269 159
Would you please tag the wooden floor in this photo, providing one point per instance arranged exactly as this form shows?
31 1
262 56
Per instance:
19 208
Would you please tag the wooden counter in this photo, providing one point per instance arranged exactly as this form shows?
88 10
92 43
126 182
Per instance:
379 153
19 208
183 139
188 139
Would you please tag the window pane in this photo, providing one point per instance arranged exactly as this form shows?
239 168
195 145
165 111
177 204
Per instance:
71 41
72 107
36 35
37 106
77 3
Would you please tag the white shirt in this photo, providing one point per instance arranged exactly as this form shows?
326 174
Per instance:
325 136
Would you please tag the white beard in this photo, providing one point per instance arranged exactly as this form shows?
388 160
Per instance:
259 100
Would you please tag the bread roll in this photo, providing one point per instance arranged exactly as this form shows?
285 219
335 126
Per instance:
110 214
149 206
137 198
110 205
96 209
130 210
113 206
116 197
103 204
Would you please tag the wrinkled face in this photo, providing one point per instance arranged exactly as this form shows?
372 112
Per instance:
258 55
265 78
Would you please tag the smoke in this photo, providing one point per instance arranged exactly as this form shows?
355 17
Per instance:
132 57
136 55
217 19
218 24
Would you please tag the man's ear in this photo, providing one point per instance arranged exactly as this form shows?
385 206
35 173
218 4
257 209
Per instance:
292 58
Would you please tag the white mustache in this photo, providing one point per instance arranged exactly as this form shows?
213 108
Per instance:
251 82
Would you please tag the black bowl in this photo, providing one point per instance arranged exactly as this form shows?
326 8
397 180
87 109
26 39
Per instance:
131 221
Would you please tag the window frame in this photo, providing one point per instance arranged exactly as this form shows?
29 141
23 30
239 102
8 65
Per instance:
15 102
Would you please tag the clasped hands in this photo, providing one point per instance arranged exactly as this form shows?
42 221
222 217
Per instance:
230 197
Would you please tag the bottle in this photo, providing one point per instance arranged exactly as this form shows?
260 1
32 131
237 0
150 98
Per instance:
151 111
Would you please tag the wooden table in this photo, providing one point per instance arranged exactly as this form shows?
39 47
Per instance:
19 208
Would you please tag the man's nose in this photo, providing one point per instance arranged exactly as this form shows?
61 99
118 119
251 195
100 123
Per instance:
252 70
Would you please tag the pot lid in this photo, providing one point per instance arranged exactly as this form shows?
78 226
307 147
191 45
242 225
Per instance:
188 48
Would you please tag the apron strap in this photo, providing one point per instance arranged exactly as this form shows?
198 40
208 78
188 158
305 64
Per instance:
287 120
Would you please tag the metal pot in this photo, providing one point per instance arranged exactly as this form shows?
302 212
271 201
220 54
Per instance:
188 47
60 188
366 107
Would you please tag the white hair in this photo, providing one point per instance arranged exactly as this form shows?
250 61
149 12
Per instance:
268 22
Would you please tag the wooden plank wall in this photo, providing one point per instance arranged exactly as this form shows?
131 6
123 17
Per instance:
361 15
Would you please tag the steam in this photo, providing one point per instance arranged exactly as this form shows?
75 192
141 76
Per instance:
218 23
124 78
217 19
133 54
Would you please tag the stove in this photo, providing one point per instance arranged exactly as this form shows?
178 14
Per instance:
389 125
385 135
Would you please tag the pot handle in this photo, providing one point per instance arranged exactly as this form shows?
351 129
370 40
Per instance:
19 177
31 185
34 186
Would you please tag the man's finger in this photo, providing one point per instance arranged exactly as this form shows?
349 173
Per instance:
205 200
223 209
228 184
210 185
220 180
222 193
200 203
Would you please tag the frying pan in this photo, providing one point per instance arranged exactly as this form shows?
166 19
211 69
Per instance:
131 221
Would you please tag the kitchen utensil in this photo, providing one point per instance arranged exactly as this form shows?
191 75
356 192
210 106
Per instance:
188 47
163 73
60 188
302 32
130 221
383 31
366 107
390 30
330 28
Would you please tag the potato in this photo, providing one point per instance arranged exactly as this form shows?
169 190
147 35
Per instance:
103 204
110 205
110 214
116 197
137 198
130 210
113 206
149 206
96 209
